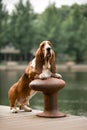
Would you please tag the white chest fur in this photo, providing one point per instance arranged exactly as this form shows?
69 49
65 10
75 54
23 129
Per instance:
46 65
46 73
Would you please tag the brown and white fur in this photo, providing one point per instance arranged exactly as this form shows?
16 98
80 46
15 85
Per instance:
42 66
44 62
20 92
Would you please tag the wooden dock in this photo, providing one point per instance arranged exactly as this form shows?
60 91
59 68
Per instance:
29 121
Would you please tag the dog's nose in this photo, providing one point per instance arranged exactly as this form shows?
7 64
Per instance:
48 49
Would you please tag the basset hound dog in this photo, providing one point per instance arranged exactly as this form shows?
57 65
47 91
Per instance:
42 66
44 62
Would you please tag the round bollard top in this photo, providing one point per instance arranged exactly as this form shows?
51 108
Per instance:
48 85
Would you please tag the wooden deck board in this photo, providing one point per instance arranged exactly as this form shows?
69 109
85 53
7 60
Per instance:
29 121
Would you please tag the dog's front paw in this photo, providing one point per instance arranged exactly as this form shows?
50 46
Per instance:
56 75
26 108
46 73
14 110
42 76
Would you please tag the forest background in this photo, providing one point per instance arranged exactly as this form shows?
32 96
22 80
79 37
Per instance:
65 27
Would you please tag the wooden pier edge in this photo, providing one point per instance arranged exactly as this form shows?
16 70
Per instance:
29 121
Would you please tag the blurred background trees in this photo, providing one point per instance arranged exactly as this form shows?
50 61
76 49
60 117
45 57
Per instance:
65 27
21 27
3 25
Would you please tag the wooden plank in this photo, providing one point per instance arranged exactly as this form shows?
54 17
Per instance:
29 121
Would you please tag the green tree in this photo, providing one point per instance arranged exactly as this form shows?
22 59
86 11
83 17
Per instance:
3 25
21 30
66 27
49 25
75 38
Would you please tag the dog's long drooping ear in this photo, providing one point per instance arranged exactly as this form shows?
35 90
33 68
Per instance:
41 46
39 60
53 62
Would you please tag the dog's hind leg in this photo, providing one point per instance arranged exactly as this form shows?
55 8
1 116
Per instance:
26 108
13 106
24 104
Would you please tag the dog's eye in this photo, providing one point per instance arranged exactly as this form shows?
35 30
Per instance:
42 46
49 43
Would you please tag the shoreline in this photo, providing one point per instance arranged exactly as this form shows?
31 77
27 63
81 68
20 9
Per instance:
61 67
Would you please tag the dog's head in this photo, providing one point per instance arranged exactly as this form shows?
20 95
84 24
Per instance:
46 49
45 53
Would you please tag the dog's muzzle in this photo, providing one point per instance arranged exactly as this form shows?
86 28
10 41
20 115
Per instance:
48 51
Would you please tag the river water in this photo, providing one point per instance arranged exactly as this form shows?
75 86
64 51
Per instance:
72 98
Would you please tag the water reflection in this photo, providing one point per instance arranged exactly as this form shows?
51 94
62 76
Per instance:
72 99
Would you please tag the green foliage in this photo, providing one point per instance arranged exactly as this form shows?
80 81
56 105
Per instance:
21 27
3 25
74 27
65 27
